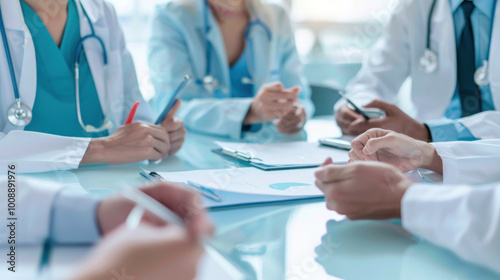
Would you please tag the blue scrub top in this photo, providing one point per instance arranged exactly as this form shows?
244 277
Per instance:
237 72
54 110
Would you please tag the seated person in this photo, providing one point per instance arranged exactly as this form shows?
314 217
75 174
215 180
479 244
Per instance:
460 215
243 57
59 214
451 79
462 218
72 117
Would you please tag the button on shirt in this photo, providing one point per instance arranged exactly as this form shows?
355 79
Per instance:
482 18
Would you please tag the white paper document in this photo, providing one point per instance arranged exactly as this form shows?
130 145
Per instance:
288 153
251 185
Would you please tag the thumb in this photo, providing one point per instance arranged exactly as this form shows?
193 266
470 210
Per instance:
382 105
375 144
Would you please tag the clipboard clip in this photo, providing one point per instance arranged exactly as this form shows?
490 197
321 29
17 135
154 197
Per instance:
248 157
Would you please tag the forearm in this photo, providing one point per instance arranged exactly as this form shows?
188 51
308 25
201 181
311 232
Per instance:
95 152
74 218
470 162
41 152
463 219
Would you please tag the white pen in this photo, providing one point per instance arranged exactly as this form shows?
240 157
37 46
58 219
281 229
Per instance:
155 177
145 202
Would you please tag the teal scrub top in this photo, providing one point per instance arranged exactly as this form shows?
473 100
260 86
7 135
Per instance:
54 110
237 72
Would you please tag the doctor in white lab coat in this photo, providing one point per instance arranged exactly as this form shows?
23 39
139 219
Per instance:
248 48
35 150
436 113
462 218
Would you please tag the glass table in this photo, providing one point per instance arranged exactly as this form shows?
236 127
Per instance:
296 241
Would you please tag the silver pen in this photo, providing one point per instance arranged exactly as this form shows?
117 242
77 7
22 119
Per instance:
154 177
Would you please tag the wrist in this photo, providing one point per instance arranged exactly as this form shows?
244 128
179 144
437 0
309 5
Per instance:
94 153
112 213
423 133
251 117
401 189
432 160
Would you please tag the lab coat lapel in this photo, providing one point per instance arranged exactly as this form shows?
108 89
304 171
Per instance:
260 45
94 54
495 59
443 40
263 45
22 52
214 37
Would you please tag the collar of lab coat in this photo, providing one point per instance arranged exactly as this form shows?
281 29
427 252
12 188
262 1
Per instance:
93 8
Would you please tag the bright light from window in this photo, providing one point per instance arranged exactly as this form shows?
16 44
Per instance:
338 10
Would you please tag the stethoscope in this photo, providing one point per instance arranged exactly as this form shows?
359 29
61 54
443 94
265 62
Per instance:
20 114
429 61
209 81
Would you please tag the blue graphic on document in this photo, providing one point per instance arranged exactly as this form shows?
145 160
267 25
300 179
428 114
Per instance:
285 186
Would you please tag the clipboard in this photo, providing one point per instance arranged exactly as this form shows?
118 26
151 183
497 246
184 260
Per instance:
251 163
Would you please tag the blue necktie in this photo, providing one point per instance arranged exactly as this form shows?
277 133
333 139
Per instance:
470 95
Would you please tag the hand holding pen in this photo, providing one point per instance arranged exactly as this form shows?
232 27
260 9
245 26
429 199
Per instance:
175 128
137 141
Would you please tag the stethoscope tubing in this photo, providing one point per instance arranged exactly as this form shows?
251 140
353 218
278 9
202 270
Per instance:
209 48
9 58
79 50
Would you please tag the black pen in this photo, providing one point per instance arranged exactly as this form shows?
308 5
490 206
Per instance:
356 108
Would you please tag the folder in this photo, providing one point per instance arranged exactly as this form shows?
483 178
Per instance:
245 187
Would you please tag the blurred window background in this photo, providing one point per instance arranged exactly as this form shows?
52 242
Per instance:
332 35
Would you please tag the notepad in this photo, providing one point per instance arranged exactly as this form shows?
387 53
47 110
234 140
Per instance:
276 156
249 186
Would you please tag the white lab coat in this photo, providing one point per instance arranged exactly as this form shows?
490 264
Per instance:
463 219
475 162
396 55
178 47
35 152
34 199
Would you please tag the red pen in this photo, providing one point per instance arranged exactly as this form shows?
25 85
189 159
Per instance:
131 115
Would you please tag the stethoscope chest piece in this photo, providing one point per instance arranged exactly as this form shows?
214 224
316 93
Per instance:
429 62
19 114
481 75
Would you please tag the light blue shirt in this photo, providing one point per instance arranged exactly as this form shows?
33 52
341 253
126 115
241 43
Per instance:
482 18
74 218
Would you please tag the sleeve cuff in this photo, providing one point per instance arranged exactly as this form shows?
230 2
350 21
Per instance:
251 127
74 218
445 130
418 207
